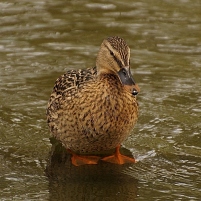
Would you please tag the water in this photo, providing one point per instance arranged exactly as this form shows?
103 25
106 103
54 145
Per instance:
40 40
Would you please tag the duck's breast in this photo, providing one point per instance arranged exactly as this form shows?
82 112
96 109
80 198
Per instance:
98 117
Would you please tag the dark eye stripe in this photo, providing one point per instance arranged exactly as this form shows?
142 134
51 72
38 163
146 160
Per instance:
112 54
115 58
118 62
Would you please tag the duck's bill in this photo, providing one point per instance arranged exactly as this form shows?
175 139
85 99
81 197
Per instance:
128 81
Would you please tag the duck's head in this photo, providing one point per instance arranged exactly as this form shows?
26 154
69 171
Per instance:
114 57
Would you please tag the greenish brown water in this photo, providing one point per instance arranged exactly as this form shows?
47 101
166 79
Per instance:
40 40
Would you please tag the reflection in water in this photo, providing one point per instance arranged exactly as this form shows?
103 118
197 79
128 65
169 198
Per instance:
88 182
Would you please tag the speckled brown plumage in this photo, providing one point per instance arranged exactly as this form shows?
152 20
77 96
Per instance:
93 110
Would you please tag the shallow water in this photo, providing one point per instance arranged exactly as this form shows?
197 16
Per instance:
40 40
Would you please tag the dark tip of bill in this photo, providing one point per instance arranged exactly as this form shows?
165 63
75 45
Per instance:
134 92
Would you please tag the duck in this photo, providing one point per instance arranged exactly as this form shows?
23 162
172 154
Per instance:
95 109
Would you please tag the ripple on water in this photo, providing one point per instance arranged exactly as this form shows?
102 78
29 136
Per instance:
163 177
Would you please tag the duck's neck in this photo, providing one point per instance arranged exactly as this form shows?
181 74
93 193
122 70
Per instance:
104 71
110 78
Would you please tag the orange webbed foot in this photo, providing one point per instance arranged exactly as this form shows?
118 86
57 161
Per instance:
118 158
78 160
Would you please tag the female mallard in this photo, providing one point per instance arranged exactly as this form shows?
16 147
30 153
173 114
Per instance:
95 109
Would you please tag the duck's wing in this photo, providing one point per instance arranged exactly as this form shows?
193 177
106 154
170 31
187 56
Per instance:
73 80
66 87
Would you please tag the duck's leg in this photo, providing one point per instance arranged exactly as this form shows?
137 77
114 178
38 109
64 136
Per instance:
118 158
78 160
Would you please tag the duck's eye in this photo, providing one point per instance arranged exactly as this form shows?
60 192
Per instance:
111 53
